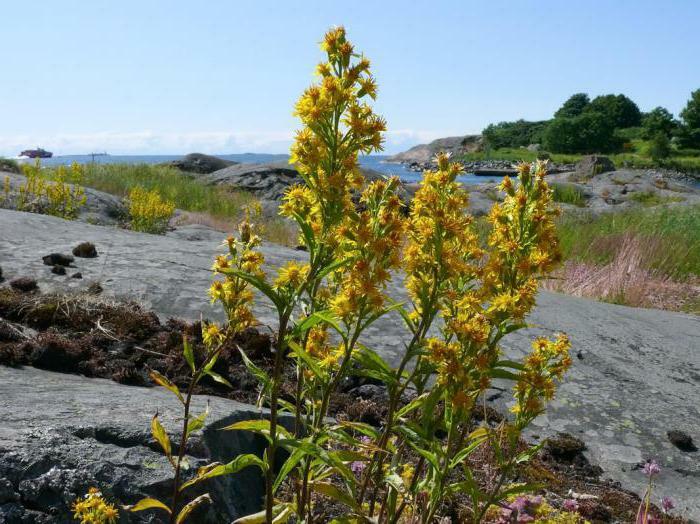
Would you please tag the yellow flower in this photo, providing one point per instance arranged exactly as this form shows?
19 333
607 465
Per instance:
292 275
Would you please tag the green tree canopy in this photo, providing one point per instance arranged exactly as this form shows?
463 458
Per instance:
586 133
618 110
574 106
520 133
658 120
689 133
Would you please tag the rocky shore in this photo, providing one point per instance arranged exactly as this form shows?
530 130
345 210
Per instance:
631 383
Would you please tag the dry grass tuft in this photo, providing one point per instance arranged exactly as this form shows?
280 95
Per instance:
629 278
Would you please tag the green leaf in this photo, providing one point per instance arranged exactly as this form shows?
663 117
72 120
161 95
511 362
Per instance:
257 283
288 466
381 313
411 406
334 492
361 427
148 503
160 435
258 373
465 452
218 378
528 453
163 381
259 426
407 319
216 470
308 359
197 423
190 507
502 373
284 515
306 232
519 488
335 265
510 364
372 365
260 516
188 353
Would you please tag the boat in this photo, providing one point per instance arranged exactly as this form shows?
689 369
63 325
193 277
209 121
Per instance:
36 153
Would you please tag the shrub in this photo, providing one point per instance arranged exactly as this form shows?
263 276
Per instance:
148 211
660 147
587 133
325 304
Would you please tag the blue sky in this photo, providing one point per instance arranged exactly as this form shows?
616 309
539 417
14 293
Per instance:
218 76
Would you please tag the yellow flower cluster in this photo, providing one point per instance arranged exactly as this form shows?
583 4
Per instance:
149 211
372 239
93 509
56 196
233 292
523 244
547 362
442 246
335 120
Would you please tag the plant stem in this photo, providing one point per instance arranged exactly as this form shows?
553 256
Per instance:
279 359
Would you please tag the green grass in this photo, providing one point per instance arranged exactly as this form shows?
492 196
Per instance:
568 194
8 164
650 198
673 231
184 191
224 205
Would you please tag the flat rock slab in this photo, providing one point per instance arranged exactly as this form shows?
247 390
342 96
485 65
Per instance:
636 372
61 434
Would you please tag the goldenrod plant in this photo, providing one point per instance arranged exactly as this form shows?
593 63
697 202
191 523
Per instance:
200 365
149 212
58 194
94 509
463 300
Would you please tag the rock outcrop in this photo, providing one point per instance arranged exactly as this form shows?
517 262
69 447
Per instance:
456 145
200 163
592 165
633 380
62 434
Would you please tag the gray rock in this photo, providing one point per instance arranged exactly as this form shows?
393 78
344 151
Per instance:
62 434
200 163
268 182
637 378
592 165
456 145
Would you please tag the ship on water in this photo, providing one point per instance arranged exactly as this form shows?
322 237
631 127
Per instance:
36 153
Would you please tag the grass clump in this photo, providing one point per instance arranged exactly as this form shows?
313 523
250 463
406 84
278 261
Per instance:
568 194
676 230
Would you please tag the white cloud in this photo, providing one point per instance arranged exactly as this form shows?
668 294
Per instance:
154 142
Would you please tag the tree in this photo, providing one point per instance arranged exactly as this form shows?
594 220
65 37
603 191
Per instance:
586 133
689 133
619 110
660 146
574 106
658 120
520 133
691 112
